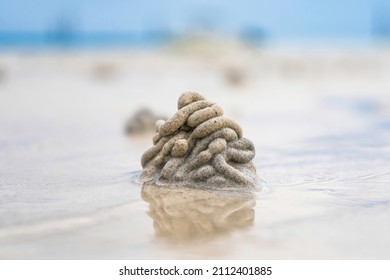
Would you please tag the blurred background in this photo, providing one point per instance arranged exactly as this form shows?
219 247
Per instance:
116 23
130 60
307 80
131 53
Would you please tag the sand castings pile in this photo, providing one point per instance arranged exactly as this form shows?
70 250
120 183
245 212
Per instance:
199 147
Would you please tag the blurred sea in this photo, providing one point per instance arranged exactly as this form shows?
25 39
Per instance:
72 40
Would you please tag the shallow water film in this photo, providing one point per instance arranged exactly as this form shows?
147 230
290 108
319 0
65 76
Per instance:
320 123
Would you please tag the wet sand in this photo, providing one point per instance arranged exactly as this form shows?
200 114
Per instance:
320 123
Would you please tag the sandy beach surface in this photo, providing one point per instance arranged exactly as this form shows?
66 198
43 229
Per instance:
320 121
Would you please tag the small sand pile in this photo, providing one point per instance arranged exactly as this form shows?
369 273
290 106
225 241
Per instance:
142 121
199 147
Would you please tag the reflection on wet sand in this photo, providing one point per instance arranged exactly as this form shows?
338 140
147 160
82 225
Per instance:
184 213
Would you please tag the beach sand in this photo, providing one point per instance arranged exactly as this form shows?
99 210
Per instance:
320 122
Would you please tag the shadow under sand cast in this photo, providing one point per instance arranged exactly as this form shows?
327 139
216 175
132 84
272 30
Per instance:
186 214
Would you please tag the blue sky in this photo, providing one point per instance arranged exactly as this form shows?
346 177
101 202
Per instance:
279 18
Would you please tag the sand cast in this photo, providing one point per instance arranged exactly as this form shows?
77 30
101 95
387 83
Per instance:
199 147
